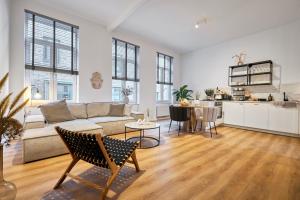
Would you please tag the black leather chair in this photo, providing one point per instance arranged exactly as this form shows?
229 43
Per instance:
179 114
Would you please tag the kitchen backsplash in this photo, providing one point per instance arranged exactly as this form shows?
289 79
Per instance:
292 90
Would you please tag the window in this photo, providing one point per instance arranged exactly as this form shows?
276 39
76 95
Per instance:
124 70
51 57
164 80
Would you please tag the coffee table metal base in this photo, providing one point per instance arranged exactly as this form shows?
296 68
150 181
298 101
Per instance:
143 137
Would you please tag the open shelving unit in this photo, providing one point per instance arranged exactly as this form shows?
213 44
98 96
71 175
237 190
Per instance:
251 74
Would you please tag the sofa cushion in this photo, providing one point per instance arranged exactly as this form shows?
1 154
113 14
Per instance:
81 125
97 109
116 110
128 109
56 112
34 121
78 110
109 119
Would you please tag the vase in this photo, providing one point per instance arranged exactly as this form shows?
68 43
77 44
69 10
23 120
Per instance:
8 190
126 100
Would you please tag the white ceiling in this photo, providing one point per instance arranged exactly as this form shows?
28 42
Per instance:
171 22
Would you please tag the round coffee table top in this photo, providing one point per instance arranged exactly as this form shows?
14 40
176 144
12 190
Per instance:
145 125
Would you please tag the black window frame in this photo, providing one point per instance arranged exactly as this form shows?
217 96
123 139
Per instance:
53 68
136 52
164 82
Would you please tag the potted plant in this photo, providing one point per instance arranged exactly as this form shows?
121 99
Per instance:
209 93
126 92
9 128
183 95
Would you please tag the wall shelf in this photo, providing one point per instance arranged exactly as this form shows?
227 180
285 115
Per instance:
247 74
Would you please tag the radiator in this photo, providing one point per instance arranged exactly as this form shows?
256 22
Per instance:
162 110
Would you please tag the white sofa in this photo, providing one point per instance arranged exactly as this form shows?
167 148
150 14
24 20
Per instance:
40 140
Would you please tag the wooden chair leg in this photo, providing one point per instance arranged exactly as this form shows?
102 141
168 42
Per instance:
215 128
108 183
196 125
135 162
170 126
63 177
210 129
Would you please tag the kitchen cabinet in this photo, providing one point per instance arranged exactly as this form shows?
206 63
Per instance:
256 115
283 119
265 116
233 113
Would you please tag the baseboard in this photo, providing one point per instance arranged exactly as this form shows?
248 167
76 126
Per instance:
263 130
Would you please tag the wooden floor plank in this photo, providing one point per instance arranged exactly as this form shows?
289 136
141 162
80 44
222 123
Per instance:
235 164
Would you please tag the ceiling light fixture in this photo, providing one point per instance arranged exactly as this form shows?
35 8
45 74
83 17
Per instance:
203 20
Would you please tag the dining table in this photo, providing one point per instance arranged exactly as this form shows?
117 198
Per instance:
196 110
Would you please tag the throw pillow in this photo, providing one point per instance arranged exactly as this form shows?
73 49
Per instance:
116 110
56 112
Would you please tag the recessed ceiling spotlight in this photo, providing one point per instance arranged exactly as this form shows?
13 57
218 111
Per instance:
197 25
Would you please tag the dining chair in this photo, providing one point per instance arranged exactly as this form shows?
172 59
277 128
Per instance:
208 115
179 114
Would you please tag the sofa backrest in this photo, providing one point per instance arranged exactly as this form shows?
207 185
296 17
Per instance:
78 110
97 109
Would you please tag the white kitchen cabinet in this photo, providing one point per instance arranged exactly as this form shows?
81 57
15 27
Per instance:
233 113
256 115
283 119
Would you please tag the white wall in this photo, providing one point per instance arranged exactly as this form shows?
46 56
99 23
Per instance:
4 39
95 55
208 67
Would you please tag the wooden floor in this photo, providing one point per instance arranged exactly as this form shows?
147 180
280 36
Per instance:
236 164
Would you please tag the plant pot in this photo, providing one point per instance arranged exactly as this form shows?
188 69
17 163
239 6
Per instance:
8 190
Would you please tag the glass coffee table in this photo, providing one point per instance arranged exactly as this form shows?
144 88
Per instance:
134 126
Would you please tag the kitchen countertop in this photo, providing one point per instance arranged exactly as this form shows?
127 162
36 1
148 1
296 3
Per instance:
272 102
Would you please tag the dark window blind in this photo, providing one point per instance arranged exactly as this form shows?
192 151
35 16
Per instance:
124 60
50 45
164 69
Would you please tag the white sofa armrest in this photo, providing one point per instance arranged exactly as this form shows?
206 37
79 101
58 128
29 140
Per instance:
34 121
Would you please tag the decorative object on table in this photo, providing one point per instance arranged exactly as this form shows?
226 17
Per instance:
140 121
126 92
210 93
96 80
183 93
197 96
184 102
285 97
9 128
240 58
147 118
270 97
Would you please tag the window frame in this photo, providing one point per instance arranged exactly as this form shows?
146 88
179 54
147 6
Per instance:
125 79
55 46
164 82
